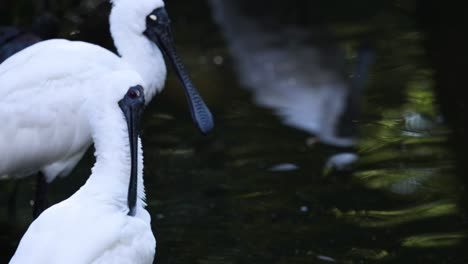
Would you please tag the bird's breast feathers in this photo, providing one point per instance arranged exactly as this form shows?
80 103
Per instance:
72 232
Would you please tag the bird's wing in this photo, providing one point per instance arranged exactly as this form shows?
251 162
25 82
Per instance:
40 92
38 130
82 233
41 65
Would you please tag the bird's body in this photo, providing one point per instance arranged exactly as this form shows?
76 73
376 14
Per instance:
50 137
40 134
94 225
85 230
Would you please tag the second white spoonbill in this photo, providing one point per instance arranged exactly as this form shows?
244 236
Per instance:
105 221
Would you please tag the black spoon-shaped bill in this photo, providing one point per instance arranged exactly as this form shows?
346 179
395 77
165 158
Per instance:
158 30
132 105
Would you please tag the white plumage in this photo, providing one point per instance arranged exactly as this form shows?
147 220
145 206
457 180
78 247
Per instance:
92 226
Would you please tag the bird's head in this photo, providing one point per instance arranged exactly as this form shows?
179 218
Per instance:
149 19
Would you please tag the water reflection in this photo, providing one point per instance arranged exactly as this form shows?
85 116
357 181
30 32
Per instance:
298 72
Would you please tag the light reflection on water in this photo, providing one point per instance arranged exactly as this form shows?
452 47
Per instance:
256 191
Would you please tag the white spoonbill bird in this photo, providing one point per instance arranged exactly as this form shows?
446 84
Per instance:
105 221
54 73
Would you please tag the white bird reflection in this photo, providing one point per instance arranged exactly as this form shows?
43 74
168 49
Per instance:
300 74
292 71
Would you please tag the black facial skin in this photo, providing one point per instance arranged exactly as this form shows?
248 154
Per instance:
159 32
132 105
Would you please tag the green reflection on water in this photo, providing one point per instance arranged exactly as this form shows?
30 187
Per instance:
433 240
373 218
370 254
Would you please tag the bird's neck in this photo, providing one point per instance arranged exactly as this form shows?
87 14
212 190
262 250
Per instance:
142 55
110 177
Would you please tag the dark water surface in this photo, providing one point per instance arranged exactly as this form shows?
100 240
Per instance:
223 198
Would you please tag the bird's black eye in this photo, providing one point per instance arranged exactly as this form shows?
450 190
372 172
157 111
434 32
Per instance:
133 93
